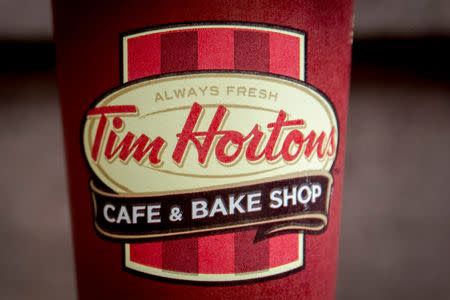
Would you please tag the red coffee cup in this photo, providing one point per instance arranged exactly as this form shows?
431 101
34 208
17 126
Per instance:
205 145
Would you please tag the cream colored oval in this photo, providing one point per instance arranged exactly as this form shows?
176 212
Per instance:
166 118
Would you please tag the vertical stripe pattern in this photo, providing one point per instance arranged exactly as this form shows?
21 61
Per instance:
251 50
148 254
144 59
284 60
216 52
284 55
251 53
215 49
179 52
144 55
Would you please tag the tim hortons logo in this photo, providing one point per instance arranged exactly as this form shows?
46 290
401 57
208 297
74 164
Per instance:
137 141
214 141
202 153
207 165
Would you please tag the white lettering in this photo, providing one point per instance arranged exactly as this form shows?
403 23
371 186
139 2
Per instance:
254 201
218 206
199 209
105 213
153 213
123 216
235 203
275 199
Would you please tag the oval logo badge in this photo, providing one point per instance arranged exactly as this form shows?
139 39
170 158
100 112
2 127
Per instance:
200 131
214 175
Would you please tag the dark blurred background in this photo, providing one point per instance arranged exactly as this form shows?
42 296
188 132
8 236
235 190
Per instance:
396 217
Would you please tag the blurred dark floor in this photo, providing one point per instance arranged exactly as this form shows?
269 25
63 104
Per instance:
396 215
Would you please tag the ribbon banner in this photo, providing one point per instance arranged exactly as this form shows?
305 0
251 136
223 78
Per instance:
299 202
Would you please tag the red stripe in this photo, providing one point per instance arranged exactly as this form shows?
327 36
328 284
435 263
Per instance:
250 255
179 53
180 255
144 56
284 55
215 51
148 254
251 52
283 249
144 59
284 60
216 254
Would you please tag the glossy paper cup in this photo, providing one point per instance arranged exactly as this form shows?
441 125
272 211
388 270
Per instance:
205 145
